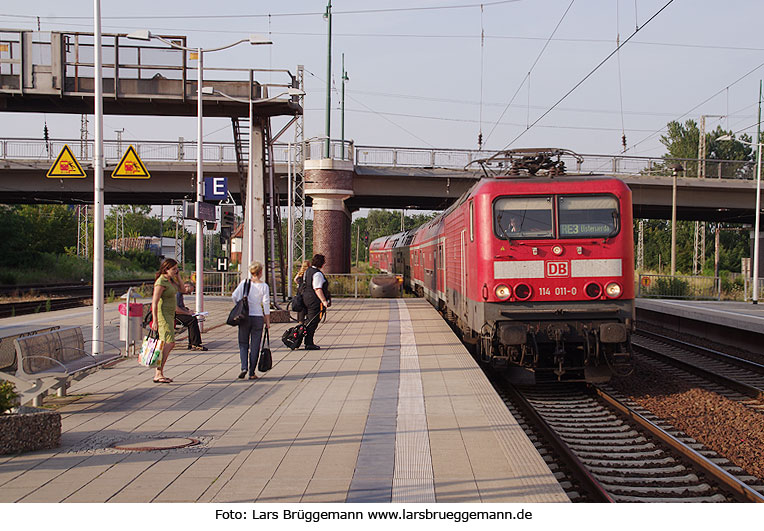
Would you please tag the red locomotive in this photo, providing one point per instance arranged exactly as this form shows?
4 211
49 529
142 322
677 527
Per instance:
536 272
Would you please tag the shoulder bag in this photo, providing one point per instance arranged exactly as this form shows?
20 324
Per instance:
266 361
240 312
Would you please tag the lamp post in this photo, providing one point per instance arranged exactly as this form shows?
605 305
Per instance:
249 252
759 145
98 186
328 17
146 35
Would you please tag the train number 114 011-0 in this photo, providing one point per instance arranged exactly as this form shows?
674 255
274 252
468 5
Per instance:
559 291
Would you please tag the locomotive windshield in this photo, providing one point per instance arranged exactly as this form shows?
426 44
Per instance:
590 216
523 217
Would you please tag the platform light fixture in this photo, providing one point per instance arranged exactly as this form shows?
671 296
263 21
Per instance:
254 39
757 214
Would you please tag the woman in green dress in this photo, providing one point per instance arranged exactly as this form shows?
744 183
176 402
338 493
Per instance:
163 311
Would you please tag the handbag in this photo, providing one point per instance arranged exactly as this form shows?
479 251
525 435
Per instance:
266 361
240 312
151 350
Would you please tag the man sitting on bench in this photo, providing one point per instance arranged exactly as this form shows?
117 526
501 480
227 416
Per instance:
187 317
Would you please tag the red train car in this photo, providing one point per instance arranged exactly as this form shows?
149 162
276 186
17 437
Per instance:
537 273
381 252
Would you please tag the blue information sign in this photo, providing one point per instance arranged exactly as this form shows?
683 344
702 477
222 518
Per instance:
215 188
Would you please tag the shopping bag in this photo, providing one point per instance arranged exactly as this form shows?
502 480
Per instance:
148 356
266 361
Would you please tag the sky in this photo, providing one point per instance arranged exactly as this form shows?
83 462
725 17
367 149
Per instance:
421 76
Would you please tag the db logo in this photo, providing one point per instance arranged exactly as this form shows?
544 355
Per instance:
557 269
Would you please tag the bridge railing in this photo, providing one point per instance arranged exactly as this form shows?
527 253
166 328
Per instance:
363 155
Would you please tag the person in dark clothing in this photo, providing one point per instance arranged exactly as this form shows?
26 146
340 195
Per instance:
299 279
316 296
187 317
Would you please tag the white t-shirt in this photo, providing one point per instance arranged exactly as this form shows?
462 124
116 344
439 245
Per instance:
259 299
318 280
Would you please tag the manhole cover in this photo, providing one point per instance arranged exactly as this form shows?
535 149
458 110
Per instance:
156 444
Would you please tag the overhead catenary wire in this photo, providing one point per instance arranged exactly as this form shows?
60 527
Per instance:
620 83
373 111
264 15
712 96
587 76
482 54
527 76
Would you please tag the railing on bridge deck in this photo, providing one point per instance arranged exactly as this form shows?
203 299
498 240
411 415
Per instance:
362 155
63 63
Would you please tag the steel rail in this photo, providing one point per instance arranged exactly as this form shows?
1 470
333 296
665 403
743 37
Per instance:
739 489
577 468
741 387
705 351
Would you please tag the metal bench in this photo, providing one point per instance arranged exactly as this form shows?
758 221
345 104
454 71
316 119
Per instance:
51 360
7 347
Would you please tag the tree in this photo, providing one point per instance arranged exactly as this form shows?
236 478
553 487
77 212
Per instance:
27 231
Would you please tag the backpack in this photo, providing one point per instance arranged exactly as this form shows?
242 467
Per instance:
298 303
292 338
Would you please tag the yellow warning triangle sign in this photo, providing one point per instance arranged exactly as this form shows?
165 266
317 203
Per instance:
130 167
66 166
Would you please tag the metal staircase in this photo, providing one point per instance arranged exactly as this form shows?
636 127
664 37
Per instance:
241 145
274 251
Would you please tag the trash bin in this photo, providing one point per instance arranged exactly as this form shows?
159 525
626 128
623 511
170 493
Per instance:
130 323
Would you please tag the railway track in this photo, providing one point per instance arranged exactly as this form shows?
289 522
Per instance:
610 449
733 377
60 296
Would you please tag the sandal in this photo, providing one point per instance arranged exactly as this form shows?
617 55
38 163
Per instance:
163 379
253 377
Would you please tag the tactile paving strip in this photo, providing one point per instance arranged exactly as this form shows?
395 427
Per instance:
413 478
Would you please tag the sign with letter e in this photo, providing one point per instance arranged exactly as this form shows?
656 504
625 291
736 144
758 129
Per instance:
215 188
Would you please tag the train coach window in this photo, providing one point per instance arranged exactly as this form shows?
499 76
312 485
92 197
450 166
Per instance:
592 216
523 217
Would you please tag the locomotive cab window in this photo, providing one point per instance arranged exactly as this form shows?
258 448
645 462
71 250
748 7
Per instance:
592 216
523 217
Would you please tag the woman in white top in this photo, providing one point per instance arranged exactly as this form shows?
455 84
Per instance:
250 331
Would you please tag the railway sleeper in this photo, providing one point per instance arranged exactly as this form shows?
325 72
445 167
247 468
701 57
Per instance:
663 481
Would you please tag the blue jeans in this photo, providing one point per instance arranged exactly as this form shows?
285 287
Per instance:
250 332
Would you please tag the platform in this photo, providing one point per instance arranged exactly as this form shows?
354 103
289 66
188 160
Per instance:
742 315
391 409
739 325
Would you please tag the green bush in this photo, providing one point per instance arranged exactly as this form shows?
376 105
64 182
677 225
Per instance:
668 287
8 397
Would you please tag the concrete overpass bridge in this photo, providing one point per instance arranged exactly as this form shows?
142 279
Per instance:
57 75
382 177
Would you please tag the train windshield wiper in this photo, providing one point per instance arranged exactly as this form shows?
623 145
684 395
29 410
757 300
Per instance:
502 229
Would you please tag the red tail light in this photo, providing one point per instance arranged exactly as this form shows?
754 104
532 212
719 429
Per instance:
593 290
523 292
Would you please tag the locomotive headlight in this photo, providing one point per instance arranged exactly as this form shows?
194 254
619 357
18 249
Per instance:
613 290
557 249
502 292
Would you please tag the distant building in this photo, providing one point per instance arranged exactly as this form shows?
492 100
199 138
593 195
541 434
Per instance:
164 248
